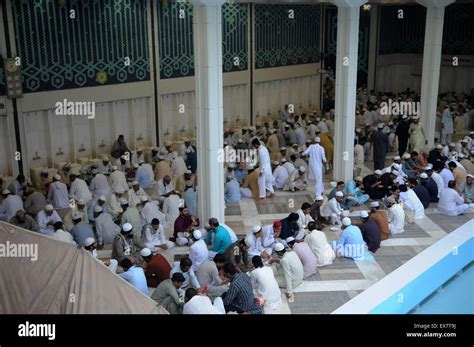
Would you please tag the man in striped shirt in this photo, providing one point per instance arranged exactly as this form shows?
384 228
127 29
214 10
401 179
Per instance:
239 297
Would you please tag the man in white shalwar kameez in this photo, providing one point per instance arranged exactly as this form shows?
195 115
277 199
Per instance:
79 189
289 269
113 203
154 237
451 203
254 243
151 210
411 202
201 304
317 159
333 208
297 180
105 227
264 284
46 219
265 178
305 216
198 252
117 180
99 185
396 217
280 175
171 206
135 194
10 205
318 243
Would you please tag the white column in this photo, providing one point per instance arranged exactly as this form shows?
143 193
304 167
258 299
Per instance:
346 86
209 107
431 64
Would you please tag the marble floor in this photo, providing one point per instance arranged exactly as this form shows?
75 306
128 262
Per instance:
339 282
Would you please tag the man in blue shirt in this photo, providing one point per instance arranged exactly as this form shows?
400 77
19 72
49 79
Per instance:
351 243
100 202
134 275
81 230
232 190
142 176
420 191
222 238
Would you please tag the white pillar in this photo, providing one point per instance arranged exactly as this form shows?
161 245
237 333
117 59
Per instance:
431 64
346 86
209 107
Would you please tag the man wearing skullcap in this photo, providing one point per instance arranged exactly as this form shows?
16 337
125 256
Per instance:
374 186
380 218
123 245
436 155
451 203
254 242
354 195
135 194
417 135
10 205
22 220
317 159
58 196
305 254
198 252
99 185
297 180
157 268
273 146
79 189
81 230
430 185
232 189
351 243
113 203
46 220
396 216
105 227
380 146
101 201
370 232
334 209
411 203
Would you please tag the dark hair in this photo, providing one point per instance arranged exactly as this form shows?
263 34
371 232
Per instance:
414 153
312 225
413 180
291 242
126 263
178 277
293 217
219 258
190 293
58 225
305 205
257 261
403 187
213 222
155 221
185 262
20 178
229 269
340 182
451 184
452 164
255 142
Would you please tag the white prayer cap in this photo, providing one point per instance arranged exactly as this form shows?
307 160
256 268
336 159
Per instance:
340 194
145 252
114 167
226 142
461 155
276 162
452 144
429 167
127 227
76 216
358 130
290 239
197 234
89 241
333 184
249 166
390 123
346 221
317 139
380 125
5 192
318 119
464 141
123 202
81 202
49 207
278 247
404 116
318 198
302 169
396 158
256 229
438 146
358 179
141 161
144 198
364 214
406 156
119 191
139 149
135 165
391 200
98 209
395 172
378 172
282 148
239 140
123 157
396 166
294 145
469 175
472 151
103 198
95 171
471 133
283 160
105 158
374 204
188 172
423 175
346 213
135 183
161 157
57 177
167 143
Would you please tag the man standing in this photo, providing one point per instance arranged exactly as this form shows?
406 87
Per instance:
265 180
447 122
402 133
119 147
317 159
380 145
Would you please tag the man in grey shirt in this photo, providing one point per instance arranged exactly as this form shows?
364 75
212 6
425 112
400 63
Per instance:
208 275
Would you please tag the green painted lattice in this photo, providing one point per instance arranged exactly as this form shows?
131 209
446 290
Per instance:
282 40
175 25
60 52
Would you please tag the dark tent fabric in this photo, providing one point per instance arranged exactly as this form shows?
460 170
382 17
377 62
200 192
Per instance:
64 279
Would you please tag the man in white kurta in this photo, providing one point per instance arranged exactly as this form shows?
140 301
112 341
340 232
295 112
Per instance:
9 206
171 206
135 194
280 176
289 269
113 203
198 252
451 203
447 175
265 285
317 159
297 180
333 208
289 166
447 122
411 202
396 217
163 188
201 304
436 177
79 190
318 243
99 185
105 227
117 180
265 178
178 167
154 237
46 220
151 210
304 215
254 243
57 194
